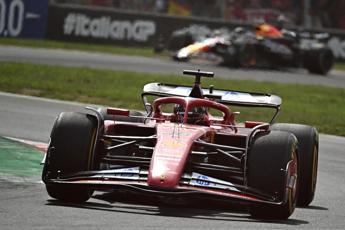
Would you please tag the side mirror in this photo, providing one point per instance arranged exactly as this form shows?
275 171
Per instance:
149 109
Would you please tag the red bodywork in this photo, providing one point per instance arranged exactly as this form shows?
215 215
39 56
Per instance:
171 153
175 140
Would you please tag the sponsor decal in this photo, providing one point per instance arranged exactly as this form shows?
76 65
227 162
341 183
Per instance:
162 178
81 25
237 96
123 170
180 90
202 180
173 143
210 182
124 173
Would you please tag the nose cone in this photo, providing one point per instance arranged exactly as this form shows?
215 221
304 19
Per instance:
163 177
171 153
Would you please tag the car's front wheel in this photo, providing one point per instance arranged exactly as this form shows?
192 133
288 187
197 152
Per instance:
70 150
308 153
319 61
273 170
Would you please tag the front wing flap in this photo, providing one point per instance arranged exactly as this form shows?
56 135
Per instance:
193 184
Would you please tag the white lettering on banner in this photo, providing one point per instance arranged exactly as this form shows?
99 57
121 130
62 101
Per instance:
2 15
337 46
16 9
103 27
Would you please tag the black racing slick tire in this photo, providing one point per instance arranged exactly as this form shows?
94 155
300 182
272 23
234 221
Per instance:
70 150
308 153
319 61
273 171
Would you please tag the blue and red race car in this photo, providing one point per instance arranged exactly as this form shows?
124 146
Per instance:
263 46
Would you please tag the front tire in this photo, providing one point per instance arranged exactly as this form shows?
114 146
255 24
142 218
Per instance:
272 169
71 150
308 153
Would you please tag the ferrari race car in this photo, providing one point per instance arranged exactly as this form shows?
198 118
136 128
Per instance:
188 145
266 47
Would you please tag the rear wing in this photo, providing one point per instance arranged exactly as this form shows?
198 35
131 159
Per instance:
228 97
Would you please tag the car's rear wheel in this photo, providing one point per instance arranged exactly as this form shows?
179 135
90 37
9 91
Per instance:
319 61
70 150
308 153
273 170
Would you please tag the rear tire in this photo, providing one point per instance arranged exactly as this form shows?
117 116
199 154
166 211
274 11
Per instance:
319 61
267 163
71 150
308 152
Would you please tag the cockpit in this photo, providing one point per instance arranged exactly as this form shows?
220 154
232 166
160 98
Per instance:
193 111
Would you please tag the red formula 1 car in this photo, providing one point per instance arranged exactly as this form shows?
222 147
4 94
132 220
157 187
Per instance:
188 145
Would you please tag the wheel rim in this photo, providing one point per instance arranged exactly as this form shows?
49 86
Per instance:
91 151
292 177
314 169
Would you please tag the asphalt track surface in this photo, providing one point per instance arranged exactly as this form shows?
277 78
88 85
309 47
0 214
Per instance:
162 65
27 206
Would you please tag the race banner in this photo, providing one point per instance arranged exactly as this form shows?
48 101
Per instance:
23 18
87 25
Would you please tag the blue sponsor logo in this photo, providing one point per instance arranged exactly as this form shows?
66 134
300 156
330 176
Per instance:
23 18
202 180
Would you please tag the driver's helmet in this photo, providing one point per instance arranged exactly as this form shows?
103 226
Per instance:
195 116
178 113
267 30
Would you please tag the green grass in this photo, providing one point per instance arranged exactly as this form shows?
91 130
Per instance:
319 106
111 49
339 66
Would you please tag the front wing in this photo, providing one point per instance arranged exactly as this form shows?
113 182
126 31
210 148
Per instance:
193 184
